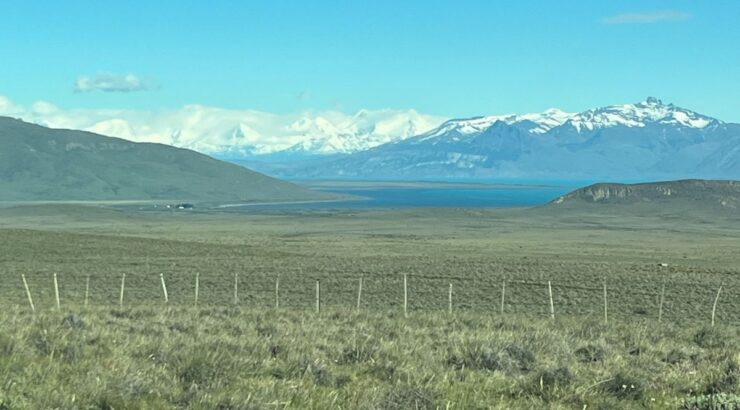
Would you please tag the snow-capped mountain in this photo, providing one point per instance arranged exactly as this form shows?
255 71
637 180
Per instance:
237 133
538 123
648 139
362 131
650 111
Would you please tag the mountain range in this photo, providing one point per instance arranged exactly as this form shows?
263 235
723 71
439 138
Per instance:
645 140
233 133
639 141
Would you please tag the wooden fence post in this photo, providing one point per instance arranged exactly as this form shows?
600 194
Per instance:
552 305
164 288
660 306
714 307
503 295
87 289
123 286
606 316
449 307
277 292
28 293
359 294
236 289
56 292
197 287
405 297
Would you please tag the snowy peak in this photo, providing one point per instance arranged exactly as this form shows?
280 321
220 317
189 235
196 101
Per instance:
545 121
650 111
542 123
364 130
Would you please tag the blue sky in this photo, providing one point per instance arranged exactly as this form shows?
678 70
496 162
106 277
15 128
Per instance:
450 58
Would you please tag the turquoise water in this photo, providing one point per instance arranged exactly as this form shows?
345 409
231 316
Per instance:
434 197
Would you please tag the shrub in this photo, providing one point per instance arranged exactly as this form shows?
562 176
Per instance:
321 375
72 352
40 341
73 321
710 338
623 387
407 397
590 354
553 378
547 382
359 353
523 357
675 356
712 402
484 357
726 381
201 370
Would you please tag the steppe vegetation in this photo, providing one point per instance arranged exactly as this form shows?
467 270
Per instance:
148 354
237 358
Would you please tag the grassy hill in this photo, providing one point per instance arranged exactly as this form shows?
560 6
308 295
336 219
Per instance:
42 164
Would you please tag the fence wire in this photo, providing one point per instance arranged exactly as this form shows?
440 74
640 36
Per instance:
681 300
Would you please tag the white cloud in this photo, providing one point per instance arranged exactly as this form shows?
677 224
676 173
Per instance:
44 108
647 17
9 108
107 82
214 130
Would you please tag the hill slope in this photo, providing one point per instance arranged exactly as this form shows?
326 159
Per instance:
42 164
706 195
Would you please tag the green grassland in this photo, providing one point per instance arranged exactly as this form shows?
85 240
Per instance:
151 355
474 250
239 358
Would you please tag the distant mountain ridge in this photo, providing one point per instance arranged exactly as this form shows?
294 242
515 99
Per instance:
42 164
645 140
237 133
718 194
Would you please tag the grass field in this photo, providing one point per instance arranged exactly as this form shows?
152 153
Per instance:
231 358
431 359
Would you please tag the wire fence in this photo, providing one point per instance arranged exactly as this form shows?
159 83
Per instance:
667 300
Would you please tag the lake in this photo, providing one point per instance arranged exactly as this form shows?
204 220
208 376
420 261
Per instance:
427 195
